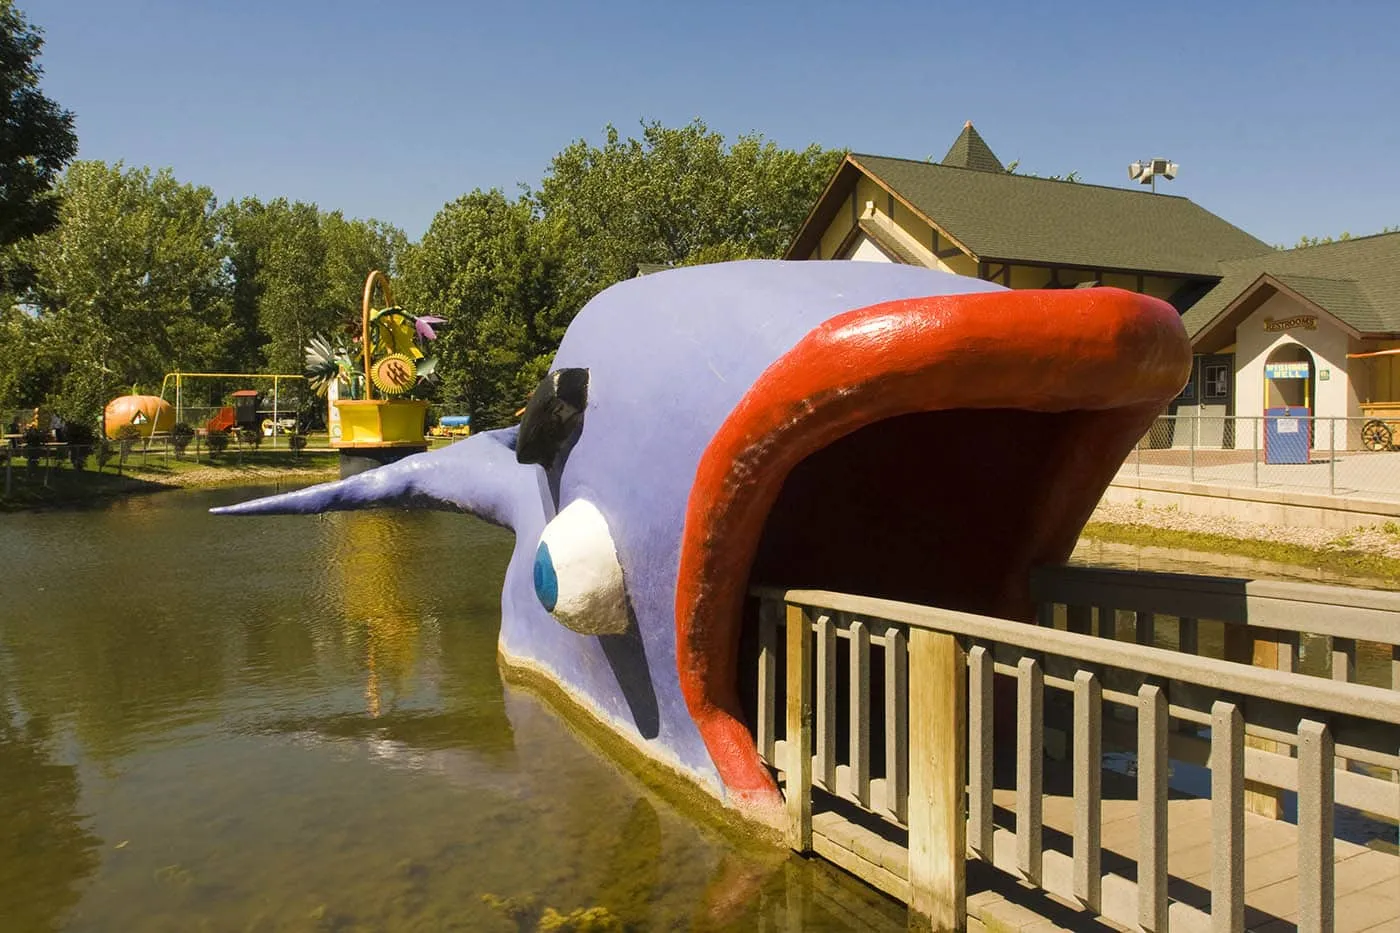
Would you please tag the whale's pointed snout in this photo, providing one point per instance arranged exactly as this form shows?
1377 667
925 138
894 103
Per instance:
478 475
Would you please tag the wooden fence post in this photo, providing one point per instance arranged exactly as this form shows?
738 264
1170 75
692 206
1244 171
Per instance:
799 730
937 757
1242 648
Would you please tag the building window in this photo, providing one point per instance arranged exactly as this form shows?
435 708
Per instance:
1217 383
1187 395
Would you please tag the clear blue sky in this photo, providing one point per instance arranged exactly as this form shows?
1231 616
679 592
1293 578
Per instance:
1284 116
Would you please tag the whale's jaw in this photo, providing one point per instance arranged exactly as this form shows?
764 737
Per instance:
932 450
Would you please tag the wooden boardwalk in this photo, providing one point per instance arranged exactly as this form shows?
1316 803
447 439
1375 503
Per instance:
898 766
1367 880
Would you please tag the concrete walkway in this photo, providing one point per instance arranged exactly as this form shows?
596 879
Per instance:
1348 474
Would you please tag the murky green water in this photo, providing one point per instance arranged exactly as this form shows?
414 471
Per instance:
1372 659
253 725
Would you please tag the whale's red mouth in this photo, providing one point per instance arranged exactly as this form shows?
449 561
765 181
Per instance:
931 450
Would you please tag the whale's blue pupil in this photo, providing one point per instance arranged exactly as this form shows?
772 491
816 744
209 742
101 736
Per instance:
546 580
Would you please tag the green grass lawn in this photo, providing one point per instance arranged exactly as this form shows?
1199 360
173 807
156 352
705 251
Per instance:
1335 560
53 484
57 484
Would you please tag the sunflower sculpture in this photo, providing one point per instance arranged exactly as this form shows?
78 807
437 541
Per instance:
399 366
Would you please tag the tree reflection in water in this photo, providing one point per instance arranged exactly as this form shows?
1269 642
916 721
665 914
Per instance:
45 851
384 624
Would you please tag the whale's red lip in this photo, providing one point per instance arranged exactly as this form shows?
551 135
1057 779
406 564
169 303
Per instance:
997 417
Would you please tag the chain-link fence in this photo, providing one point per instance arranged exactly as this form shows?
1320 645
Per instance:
1332 456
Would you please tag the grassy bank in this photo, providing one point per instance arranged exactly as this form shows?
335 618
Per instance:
58 486
1332 559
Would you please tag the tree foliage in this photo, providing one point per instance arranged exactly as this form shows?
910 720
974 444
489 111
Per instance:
144 274
1014 168
488 266
36 135
298 272
1306 241
130 284
675 196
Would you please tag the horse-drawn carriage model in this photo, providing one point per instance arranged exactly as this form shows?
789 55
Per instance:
1381 428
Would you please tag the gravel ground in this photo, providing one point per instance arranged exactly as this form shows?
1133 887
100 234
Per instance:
1370 539
235 475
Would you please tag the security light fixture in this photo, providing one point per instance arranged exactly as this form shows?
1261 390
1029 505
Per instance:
1146 172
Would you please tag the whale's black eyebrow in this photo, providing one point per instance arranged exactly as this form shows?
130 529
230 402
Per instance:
552 416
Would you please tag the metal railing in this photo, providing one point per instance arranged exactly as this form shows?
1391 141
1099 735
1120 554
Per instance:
930 771
1331 456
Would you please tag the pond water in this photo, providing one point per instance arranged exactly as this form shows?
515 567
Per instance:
1372 659
299 724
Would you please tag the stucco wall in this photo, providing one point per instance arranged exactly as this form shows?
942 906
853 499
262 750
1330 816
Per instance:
833 235
911 224
959 264
866 251
1329 345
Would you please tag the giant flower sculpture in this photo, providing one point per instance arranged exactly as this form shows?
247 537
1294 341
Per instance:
395 335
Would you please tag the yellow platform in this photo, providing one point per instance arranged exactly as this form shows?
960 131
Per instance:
381 422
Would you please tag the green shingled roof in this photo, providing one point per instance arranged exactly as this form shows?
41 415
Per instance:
970 150
999 216
1357 281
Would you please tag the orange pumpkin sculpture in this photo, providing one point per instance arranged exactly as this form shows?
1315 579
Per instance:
149 413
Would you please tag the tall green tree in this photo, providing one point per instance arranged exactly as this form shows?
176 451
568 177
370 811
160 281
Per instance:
354 247
28 373
36 135
130 284
675 196
488 266
292 283
298 272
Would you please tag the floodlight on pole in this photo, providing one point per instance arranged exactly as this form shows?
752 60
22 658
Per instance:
1146 172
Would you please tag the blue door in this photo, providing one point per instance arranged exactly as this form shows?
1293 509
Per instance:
1287 434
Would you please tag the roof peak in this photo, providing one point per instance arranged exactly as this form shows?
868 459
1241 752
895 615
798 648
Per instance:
970 150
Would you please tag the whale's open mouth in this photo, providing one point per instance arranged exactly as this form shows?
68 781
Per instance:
931 450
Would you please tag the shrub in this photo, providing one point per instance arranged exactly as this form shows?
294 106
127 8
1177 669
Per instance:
33 446
298 444
128 436
104 452
218 442
180 437
80 442
252 437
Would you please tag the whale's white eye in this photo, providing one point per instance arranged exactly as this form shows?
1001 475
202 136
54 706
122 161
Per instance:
577 576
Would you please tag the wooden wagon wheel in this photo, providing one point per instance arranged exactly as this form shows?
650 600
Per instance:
1375 435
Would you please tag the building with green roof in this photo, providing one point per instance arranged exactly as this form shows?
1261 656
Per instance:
1333 311
968 215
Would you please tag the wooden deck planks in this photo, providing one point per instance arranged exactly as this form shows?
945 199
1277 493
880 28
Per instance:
1367 880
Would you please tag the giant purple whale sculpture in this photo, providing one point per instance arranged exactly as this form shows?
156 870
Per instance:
882 429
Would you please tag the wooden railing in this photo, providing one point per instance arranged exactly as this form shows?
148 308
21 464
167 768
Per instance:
1330 741
1292 627
1263 620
